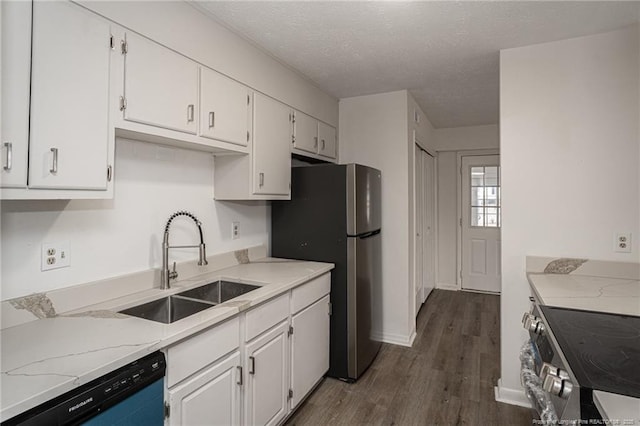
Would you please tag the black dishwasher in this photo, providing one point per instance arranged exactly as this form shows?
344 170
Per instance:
133 394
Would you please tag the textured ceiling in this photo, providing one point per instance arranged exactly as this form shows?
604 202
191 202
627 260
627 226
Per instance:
446 53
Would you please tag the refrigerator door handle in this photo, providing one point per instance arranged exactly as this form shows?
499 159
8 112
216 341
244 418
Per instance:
366 234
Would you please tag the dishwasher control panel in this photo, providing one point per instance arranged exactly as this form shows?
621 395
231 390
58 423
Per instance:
90 399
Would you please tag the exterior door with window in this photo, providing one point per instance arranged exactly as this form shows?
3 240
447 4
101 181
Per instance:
481 221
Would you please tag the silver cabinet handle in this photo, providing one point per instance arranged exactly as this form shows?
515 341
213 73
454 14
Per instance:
239 382
190 111
212 119
261 179
9 159
315 142
322 148
252 367
54 164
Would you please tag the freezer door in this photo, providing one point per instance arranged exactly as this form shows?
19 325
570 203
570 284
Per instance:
363 300
363 199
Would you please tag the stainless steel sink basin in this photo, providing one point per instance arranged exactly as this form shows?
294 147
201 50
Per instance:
167 310
218 291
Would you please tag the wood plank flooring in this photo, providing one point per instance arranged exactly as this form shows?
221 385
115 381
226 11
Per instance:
446 378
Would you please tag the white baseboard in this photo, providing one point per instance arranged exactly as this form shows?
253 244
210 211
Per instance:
394 339
511 396
447 286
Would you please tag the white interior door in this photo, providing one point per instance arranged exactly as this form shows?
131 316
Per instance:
428 227
419 215
481 221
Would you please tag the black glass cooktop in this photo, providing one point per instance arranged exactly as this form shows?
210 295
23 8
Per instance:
603 350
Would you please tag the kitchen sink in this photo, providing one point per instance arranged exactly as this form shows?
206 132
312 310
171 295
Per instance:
167 310
218 291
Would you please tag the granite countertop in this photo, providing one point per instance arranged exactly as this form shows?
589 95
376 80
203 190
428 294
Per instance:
47 357
590 293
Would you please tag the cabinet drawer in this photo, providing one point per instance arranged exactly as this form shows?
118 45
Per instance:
197 352
266 316
306 294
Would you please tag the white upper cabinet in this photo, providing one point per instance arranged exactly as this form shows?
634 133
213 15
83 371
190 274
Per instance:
225 108
271 147
69 136
16 67
305 132
326 140
313 137
160 86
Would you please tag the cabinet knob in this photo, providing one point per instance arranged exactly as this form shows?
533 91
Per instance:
322 148
9 158
261 176
315 142
212 119
54 161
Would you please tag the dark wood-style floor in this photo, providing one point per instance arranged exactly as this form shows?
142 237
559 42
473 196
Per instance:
446 378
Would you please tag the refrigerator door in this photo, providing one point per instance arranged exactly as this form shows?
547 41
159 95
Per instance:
363 199
363 300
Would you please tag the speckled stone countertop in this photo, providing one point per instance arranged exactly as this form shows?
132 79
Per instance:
612 287
47 357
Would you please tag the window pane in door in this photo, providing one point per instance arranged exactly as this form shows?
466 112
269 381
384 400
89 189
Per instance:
491 176
485 196
477 196
477 216
477 176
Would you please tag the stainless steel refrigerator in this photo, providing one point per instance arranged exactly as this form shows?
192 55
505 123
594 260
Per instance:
334 216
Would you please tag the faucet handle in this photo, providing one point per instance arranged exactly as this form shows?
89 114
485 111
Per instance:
173 274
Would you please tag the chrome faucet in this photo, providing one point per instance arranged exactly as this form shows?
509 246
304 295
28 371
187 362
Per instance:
166 275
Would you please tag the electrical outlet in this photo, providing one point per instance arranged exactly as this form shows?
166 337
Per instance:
623 242
235 230
55 255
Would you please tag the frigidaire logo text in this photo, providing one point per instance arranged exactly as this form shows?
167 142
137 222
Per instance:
81 404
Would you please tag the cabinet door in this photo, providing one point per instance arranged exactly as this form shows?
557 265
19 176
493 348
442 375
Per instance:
160 86
71 54
267 366
271 147
306 133
327 136
225 108
16 72
210 398
309 348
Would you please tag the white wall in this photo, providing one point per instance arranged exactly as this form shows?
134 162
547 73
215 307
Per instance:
113 237
449 142
377 130
570 161
466 138
373 132
178 25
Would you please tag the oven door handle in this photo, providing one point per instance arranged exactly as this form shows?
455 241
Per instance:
540 400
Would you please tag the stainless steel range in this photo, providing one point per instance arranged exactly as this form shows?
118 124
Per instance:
572 353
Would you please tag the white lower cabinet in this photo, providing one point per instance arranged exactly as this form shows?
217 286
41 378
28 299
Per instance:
211 397
255 368
267 367
309 348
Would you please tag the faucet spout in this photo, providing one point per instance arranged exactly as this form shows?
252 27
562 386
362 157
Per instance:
166 275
